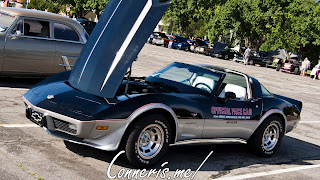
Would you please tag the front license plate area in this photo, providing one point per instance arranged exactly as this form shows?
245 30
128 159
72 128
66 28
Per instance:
37 118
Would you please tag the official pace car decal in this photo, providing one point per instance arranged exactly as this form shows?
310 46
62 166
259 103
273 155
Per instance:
231 113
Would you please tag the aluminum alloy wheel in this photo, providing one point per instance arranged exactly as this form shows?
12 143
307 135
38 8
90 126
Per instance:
270 137
150 141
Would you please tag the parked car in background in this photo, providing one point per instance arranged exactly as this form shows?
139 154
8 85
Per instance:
160 38
225 53
181 43
291 66
88 25
199 46
260 58
33 42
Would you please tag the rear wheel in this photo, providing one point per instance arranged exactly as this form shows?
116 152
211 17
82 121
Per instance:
226 57
148 140
267 138
251 62
278 68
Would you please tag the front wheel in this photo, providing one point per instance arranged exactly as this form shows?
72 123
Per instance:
267 138
148 140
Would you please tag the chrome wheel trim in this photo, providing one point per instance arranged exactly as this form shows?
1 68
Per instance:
270 137
150 141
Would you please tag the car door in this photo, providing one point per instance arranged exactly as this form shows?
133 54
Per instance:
233 118
68 43
33 51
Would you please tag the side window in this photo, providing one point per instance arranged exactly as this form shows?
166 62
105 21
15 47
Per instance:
235 83
36 28
65 32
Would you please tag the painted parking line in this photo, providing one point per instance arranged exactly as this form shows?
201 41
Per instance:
10 88
18 125
309 122
268 173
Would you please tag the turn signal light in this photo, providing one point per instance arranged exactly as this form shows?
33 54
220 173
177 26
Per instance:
102 128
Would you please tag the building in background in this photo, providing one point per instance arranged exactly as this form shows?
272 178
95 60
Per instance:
162 27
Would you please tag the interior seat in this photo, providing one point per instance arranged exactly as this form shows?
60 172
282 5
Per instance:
241 92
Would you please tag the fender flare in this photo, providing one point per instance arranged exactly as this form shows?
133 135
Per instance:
152 106
269 113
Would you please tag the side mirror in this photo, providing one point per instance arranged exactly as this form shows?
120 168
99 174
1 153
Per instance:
17 34
230 95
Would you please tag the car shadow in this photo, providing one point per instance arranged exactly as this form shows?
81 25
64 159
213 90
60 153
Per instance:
225 157
25 83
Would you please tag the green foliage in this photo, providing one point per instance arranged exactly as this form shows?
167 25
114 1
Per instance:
49 5
81 7
97 5
266 25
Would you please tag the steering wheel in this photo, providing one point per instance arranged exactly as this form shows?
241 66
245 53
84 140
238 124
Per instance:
206 86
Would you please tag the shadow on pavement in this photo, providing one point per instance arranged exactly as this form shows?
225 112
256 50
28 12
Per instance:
26 83
225 157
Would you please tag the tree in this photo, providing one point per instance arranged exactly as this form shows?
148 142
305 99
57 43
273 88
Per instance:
49 5
97 5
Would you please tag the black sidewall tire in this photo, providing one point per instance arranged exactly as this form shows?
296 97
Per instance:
132 138
255 142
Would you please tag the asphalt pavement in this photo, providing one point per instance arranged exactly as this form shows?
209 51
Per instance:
28 152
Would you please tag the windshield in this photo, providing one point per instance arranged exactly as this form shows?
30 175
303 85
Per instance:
187 78
5 21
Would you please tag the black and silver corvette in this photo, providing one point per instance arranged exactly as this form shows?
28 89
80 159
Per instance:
100 105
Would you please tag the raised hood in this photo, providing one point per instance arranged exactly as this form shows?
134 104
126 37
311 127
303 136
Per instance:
114 44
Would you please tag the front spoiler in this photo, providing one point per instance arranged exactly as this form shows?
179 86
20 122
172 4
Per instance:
86 133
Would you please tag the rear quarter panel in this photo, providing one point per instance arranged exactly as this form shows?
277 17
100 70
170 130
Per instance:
291 112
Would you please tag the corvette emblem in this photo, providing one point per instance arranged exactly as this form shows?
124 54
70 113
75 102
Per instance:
50 96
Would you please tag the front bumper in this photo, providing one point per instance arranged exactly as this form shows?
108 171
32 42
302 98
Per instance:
76 131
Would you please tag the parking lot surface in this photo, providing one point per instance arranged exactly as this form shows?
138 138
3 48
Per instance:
28 152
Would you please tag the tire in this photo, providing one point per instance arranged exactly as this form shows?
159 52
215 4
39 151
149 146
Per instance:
266 147
296 71
186 49
226 57
278 67
148 140
251 62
